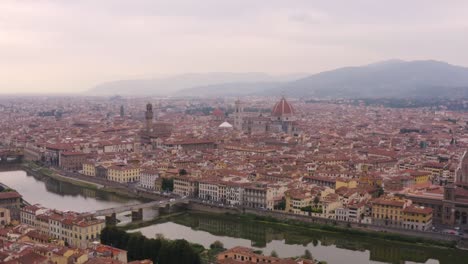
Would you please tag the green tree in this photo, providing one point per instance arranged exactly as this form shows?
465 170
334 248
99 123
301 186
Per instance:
167 184
217 245
274 254
316 200
160 251
380 191
105 236
307 254
132 248
315 242
281 205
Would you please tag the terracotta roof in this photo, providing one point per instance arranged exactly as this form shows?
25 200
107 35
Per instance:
9 195
418 210
282 108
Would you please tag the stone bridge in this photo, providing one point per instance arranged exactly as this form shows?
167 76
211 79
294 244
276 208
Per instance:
8 156
136 209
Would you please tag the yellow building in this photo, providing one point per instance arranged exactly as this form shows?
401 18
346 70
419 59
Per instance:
74 229
65 256
89 169
123 173
388 211
417 218
344 182
85 230
297 199
420 176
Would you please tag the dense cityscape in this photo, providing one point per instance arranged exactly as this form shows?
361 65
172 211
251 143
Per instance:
370 168
233 132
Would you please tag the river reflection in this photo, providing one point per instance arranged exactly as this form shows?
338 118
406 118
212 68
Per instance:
290 242
60 195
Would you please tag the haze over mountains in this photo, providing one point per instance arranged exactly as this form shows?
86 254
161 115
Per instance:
178 84
393 78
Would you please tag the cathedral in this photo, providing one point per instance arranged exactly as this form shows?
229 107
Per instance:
281 120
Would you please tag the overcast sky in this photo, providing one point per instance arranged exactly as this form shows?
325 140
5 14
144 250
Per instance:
71 45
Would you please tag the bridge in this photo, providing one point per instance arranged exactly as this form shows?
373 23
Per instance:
8 156
136 209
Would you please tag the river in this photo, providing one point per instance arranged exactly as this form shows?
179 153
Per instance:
64 196
335 248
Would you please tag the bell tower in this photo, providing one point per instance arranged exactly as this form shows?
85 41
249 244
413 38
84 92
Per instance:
149 117
238 115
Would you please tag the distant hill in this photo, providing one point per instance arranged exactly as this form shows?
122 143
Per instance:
174 84
229 89
394 78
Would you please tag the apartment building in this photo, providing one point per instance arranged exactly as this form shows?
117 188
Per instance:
148 179
417 218
75 229
186 186
123 173
388 211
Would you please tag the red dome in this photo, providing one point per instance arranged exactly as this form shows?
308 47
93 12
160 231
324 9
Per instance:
218 112
282 108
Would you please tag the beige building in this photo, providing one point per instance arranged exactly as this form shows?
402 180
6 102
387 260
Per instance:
5 218
123 173
89 169
75 229
185 186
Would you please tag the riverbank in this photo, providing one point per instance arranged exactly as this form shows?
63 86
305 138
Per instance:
263 216
288 240
299 225
42 172
38 171
387 233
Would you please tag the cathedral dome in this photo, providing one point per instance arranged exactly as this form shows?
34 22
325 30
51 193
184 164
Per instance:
282 108
218 112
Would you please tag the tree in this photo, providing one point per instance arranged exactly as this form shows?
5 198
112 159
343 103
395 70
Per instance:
167 184
183 172
158 250
160 236
380 191
281 205
105 236
316 200
273 254
315 242
217 245
132 247
307 254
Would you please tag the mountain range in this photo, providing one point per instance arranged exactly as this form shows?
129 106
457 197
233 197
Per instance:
392 78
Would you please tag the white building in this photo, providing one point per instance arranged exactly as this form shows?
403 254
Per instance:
209 190
148 179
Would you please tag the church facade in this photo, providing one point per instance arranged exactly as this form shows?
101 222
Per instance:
281 120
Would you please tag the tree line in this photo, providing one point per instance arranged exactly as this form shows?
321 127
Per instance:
159 250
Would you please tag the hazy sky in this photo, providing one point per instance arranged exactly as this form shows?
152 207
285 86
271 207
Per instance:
71 45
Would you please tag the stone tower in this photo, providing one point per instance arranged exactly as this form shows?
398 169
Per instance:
149 117
238 115
122 111
462 171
